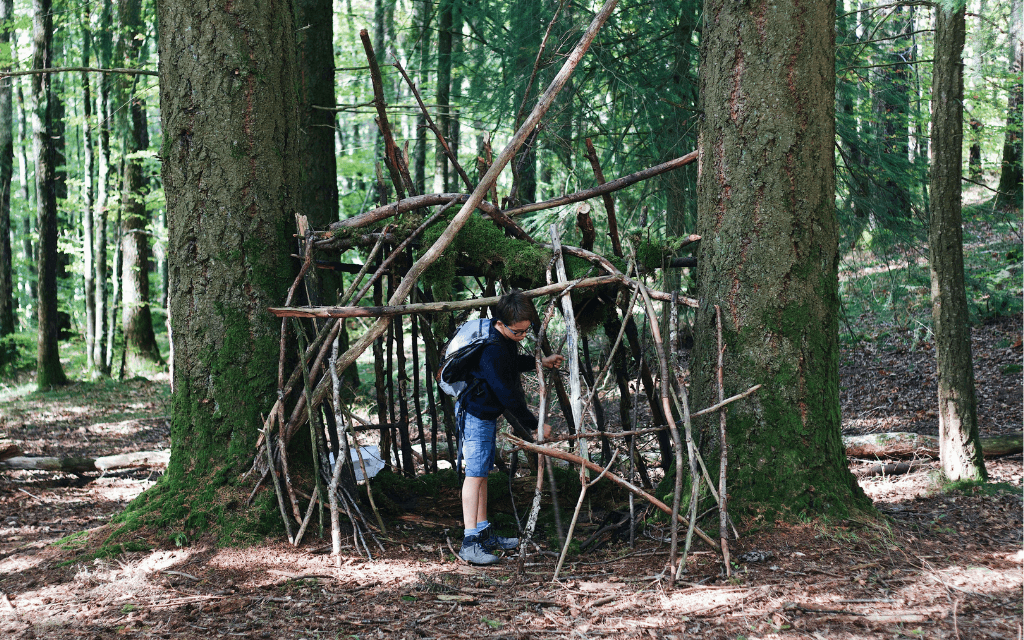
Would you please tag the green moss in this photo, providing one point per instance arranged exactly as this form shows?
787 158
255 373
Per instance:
484 245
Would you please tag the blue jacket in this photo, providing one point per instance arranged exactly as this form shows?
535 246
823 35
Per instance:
499 369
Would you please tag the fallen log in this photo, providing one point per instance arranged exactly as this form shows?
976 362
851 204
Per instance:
9 451
83 465
890 469
906 445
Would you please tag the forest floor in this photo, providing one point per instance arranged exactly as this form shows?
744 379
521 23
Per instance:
937 561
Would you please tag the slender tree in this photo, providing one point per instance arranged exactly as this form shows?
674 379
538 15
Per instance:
88 197
6 174
141 350
959 444
49 371
104 55
1011 174
769 254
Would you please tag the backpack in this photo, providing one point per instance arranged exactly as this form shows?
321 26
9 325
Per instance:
462 354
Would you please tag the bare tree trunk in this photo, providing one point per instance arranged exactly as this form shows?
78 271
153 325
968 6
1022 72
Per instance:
959 447
1011 176
104 55
444 85
6 175
49 371
88 198
140 349
424 14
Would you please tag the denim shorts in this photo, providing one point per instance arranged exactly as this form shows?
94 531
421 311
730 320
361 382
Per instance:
477 444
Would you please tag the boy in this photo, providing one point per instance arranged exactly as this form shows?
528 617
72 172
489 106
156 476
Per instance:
494 389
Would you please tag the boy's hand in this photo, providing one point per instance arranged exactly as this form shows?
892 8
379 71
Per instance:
552 360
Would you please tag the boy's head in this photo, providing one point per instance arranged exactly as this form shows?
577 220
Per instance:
514 312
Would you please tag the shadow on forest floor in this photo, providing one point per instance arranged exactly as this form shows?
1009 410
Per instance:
942 563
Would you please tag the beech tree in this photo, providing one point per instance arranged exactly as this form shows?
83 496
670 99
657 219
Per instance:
769 254
6 173
49 371
959 444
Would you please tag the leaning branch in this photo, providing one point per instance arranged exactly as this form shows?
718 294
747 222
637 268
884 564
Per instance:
568 457
607 187
432 307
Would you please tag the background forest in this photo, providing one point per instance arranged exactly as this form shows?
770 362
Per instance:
635 96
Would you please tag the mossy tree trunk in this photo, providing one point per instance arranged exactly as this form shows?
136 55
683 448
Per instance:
227 95
959 447
769 254
141 351
49 371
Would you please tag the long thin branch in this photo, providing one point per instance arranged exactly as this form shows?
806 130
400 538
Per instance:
433 307
628 486
608 187
128 72
609 204
391 156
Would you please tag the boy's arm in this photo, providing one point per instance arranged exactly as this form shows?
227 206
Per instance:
504 389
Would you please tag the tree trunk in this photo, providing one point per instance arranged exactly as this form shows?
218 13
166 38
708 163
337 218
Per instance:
959 448
141 351
424 14
6 175
227 95
318 191
528 29
49 371
769 255
1011 176
104 54
88 199
444 85
28 253
891 106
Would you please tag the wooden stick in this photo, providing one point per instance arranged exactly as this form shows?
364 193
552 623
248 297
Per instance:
433 307
391 154
727 401
723 513
542 410
575 391
652 318
430 123
309 513
628 486
607 187
609 204
277 485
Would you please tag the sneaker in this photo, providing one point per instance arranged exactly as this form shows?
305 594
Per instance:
474 553
490 541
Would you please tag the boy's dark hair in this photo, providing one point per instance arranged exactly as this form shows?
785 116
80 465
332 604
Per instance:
514 307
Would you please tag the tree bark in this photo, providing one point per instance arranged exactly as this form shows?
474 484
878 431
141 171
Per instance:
141 351
228 102
959 448
49 371
104 54
445 11
769 255
88 197
1011 175
6 175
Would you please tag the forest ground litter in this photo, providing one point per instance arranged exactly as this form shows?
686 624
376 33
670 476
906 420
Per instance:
942 562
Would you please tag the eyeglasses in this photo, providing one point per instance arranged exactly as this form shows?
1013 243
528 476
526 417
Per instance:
516 332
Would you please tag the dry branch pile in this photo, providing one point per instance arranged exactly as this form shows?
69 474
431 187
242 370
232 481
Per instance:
313 393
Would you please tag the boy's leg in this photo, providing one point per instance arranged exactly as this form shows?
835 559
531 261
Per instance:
473 500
